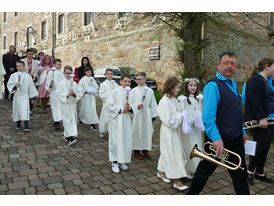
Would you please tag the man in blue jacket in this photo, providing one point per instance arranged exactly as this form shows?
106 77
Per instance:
222 117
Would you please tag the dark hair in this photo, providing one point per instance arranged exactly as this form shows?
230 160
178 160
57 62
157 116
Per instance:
87 68
108 70
56 60
88 64
124 75
39 55
230 54
187 93
261 65
30 50
169 85
67 67
20 62
142 74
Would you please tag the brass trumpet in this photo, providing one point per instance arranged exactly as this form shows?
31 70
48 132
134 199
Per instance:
212 157
255 123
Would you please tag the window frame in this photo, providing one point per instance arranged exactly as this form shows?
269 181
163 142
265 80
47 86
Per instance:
16 38
85 18
44 33
4 42
63 27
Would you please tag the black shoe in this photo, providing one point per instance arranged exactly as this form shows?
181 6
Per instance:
264 178
6 96
72 141
250 179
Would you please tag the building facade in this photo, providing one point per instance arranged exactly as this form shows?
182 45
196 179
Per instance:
118 39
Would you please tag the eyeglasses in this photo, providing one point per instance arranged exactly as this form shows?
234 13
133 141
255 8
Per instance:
139 79
68 73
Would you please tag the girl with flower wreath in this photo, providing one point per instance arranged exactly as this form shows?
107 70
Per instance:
190 105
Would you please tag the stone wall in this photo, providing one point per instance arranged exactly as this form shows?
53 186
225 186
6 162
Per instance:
111 40
250 44
119 39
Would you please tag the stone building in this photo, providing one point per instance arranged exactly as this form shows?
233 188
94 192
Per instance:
116 39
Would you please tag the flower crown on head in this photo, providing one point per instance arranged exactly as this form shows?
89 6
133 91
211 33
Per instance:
191 79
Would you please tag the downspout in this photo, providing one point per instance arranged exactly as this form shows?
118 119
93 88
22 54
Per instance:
53 33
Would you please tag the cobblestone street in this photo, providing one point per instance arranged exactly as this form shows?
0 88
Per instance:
40 162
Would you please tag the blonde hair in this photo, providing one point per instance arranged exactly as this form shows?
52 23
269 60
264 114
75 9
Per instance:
68 67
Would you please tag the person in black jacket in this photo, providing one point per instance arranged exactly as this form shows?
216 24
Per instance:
9 63
259 106
81 70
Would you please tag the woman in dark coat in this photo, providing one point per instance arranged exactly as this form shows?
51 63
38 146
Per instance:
259 105
80 72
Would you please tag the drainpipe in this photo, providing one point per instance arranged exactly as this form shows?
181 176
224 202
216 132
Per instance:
53 33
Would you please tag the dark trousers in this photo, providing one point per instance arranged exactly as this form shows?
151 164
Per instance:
206 169
263 137
6 79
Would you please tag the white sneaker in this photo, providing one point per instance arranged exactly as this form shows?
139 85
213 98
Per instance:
183 187
101 134
115 168
123 166
165 179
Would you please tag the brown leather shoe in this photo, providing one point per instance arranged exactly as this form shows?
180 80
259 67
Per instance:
138 156
146 154
57 126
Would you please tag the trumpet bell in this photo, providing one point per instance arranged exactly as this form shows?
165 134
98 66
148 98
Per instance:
195 152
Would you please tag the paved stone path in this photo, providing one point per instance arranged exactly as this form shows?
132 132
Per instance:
40 162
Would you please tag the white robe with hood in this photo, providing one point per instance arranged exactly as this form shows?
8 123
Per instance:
88 114
195 137
22 95
120 132
68 106
104 92
55 104
172 156
142 128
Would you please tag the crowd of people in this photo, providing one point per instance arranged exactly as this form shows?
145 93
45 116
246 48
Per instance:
127 114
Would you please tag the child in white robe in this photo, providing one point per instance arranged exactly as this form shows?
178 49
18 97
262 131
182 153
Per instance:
120 134
55 76
21 85
146 107
171 164
191 106
88 87
104 92
67 95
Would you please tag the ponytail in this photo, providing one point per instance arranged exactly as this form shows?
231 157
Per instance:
261 66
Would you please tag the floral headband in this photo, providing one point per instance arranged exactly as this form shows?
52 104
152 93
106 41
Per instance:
192 79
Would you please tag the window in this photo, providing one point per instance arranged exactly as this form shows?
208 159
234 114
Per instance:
270 19
4 16
88 18
29 37
16 39
61 23
44 30
15 13
5 43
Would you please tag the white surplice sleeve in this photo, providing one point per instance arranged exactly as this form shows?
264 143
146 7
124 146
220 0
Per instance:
153 105
111 105
167 114
12 82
